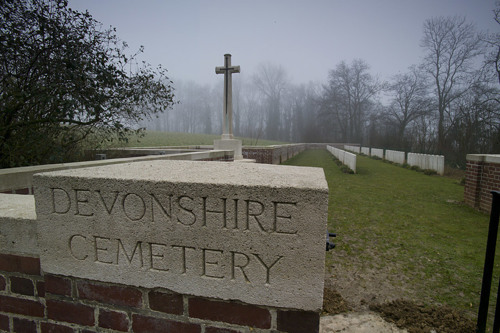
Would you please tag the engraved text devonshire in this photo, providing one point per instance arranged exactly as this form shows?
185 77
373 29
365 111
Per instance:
183 213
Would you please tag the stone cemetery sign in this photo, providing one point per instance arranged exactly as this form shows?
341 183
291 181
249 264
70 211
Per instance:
235 231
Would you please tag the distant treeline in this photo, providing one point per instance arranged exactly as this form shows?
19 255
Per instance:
448 104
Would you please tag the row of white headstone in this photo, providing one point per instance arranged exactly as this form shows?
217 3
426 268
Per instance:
423 161
343 156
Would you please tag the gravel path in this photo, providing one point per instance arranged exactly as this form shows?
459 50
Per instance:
357 322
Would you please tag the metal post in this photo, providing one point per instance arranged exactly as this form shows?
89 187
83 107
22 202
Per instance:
496 322
488 263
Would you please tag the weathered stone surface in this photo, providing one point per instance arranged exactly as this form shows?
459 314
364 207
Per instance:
18 234
248 232
22 177
230 144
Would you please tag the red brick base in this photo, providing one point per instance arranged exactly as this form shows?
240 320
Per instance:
31 301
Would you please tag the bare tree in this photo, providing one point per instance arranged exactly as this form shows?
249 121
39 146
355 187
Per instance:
409 101
272 80
252 114
349 96
452 47
493 42
477 127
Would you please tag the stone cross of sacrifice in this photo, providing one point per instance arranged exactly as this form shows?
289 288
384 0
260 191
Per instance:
227 116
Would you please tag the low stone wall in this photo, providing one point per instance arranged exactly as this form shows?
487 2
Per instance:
113 153
276 154
426 161
395 156
482 176
338 145
20 180
280 153
343 156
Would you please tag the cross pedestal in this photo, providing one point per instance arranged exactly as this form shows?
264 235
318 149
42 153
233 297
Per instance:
230 144
227 142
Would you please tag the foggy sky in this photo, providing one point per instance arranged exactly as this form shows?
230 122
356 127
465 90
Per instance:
308 38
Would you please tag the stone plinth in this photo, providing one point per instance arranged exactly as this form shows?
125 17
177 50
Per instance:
229 144
248 232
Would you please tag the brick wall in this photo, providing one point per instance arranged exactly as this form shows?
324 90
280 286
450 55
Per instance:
225 158
25 190
273 154
31 301
482 177
280 153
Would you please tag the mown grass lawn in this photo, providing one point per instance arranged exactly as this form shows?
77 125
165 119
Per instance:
415 225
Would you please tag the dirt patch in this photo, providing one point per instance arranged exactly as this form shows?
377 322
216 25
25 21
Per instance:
366 280
356 291
424 319
361 284
333 303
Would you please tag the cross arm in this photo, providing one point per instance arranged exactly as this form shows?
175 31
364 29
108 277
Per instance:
222 69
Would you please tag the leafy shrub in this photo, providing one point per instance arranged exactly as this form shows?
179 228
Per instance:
336 161
430 172
346 169
415 168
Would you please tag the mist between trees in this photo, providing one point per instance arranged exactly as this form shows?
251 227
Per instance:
448 104
67 84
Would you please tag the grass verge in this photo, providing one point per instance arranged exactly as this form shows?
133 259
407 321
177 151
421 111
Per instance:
412 225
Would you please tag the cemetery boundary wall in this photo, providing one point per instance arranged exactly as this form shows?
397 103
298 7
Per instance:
482 176
20 180
278 154
343 156
273 154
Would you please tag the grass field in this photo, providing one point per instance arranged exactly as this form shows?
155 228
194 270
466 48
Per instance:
410 230
155 139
